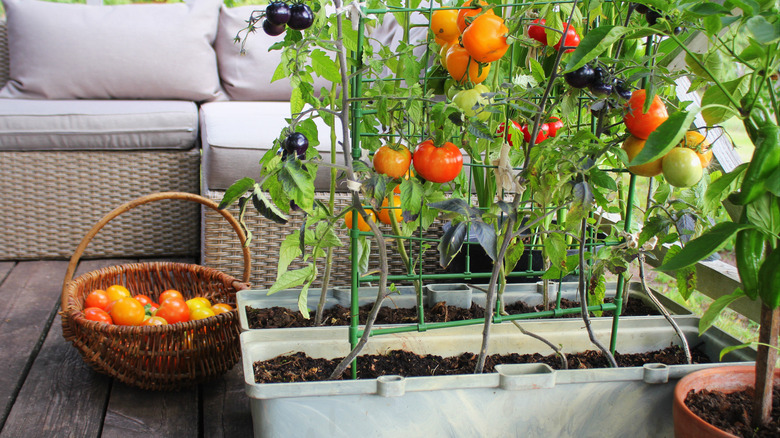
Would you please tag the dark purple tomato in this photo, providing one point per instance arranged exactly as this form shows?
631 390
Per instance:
652 17
301 17
294 206
297 143
272 29
600 88
678 30
640 8
277 13
581 77
622 89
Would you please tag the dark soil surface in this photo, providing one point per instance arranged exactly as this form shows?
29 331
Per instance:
732 412
298 367
280 317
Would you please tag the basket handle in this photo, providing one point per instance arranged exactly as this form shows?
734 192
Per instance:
74 260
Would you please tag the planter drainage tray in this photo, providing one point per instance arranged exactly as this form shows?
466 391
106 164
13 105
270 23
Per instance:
519 400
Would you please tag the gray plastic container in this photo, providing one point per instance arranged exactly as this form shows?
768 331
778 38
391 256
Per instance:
518 400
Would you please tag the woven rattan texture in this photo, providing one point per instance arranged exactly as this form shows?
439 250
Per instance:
4 60
222 251
163 357
52 199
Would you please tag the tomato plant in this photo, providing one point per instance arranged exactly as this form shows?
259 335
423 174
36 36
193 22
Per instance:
97 298
639 123
438 164
362 224
682 167
97 314
173 310
485 38
633 145
127 311
463 68
392 161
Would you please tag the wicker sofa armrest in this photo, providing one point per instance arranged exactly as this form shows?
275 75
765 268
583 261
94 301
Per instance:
4 61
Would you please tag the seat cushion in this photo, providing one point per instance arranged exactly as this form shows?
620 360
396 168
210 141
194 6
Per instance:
40 125
235 135
147 51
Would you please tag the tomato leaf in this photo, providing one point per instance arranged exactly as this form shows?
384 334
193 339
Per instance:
600 178
267 208
763 31
716 106
686 277
324 66
411 196
290 279
289 250
665 137
583 194
303 296
297 183
451 242
363 254
721 187
716 308
486 236
235 191
708 8
513 254
459 206
594 44
701 247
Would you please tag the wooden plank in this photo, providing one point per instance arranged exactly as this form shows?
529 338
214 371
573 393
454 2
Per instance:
60 396
226 410
133 412
29 295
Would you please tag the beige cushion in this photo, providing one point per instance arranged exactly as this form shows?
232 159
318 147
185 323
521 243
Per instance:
235 135
248 76
147 51
43 125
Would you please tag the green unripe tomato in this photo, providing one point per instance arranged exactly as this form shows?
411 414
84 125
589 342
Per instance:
450 88
681 167
472 103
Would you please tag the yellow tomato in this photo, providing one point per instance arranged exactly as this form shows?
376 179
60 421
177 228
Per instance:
221 308
117 291
201 313
194 303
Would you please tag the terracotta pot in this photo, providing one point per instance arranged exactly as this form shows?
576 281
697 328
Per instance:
724 379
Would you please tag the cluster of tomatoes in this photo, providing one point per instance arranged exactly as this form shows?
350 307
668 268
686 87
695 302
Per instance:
279 16
597 81
652 16
684 165
116 305
469 39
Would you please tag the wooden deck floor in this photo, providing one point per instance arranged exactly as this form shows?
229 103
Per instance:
46 390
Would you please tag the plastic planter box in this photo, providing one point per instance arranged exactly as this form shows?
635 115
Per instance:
531 294
518 400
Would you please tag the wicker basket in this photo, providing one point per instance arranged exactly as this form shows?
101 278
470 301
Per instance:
162 357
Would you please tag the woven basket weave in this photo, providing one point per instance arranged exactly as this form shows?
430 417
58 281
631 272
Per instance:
161 357
223 253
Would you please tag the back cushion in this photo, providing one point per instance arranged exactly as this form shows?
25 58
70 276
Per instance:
143 51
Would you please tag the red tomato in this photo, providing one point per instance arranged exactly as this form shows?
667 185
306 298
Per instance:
173 311
553 125
170 293
144 299
438 164
392 162
570 38
97 314
538 32
540 137
97 298
508 136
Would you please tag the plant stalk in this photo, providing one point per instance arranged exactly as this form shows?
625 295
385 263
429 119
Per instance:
766 358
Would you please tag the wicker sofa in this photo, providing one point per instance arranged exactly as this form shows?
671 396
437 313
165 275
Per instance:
71 150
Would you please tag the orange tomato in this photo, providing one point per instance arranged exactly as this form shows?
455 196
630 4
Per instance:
171 293
362 224
463 68
154 321
219 308
633 145
97 298
466 16
392 161
696 141
117 291
127 311
485 38
387 208
444 24
639 123
97 314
